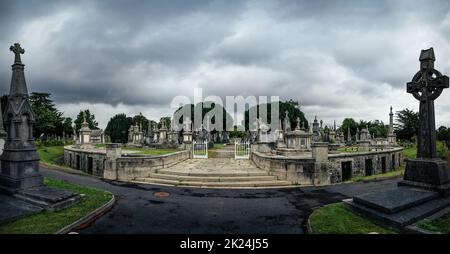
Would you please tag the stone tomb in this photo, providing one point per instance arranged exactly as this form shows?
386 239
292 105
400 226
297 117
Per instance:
425 188
19 176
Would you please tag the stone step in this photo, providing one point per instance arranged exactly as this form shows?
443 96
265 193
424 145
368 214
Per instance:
214 174
403 217
213 178
247 184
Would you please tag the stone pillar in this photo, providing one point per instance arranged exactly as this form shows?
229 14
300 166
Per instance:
320 156
113 152
187 140
320 151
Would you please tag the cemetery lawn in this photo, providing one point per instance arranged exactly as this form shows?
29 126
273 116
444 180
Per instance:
440 225
397 172
338 219
52 155
49 222
147 151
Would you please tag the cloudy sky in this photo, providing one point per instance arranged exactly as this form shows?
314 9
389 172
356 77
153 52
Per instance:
337 58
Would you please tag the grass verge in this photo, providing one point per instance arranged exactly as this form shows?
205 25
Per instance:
49 222
337 219
440 225
397 172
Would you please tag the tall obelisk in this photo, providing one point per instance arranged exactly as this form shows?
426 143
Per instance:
19 161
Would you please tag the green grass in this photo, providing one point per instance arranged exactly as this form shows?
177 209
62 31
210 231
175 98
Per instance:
51 155
100 145
49 222
337 219
443 152
348 150
397 172
440 225
147 151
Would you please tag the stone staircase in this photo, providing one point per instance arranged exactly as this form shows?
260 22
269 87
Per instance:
215 173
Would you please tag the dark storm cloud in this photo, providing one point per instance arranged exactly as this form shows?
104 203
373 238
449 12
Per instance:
329 55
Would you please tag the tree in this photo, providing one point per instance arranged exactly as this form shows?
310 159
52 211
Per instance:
141 120
408 123
376 128
292 107
117 128
442 133
205 110
349 123
90 119
48 119
67 126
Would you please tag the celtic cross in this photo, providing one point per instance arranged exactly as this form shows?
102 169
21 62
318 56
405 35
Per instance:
17 51
426 86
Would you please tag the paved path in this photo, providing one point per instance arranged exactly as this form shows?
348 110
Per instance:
211 210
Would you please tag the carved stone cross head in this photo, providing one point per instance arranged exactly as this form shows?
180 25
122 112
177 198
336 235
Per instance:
17 50
428 83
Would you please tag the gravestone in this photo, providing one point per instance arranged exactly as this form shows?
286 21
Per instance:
427 170
425 188
19 176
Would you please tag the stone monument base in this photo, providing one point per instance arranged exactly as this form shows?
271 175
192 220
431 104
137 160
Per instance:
398 207
49 198
431 174
31 190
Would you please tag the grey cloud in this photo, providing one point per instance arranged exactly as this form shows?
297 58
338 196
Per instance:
326 54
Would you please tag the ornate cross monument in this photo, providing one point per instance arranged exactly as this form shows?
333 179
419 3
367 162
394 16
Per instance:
19 161
426 86
19 174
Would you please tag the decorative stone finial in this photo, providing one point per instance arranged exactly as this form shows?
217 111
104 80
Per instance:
17 52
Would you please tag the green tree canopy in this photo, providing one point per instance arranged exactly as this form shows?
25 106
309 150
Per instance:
141 120
90 119
349 123
292 107
408 123
117 128
49 120
376 128
205 110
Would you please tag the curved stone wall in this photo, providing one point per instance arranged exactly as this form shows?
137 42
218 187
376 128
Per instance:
118 166
338 167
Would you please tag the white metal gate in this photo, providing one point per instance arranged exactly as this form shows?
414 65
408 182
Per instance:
241 150
200 150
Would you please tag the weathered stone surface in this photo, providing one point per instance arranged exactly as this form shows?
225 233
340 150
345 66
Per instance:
12 208
19 174
404 217
431 171
19 161
395 200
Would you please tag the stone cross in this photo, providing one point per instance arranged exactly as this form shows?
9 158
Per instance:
426 86
17 52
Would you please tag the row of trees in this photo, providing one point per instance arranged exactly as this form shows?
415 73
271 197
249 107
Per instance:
377 128
51 122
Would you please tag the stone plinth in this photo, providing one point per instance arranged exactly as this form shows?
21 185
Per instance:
364 145
113 151
320 151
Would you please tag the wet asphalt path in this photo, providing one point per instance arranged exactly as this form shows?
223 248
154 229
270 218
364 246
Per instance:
205 211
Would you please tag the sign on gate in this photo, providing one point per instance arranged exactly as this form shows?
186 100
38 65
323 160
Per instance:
200 150
242 150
